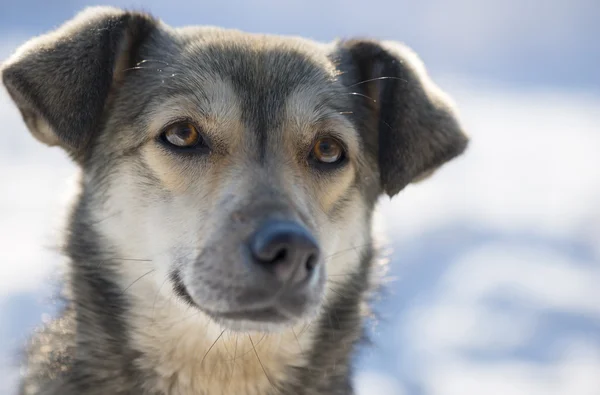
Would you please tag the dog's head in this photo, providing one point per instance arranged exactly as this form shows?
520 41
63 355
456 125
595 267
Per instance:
240 169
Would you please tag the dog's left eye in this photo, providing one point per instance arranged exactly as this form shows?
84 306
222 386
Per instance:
328 150
182 135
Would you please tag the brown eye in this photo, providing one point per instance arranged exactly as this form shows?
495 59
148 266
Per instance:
182 135
328 150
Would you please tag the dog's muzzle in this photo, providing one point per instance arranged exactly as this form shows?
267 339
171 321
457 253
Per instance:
277 277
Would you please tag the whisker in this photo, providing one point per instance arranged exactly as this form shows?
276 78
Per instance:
298 341
156 296
152 61
260 362
121 259
347 273
211 347
361 95
92 223
305 328
377 79
387 124
137 68
353 248
132 259
330 324
353 285
337 293
197 312
138 279
249 351
233 362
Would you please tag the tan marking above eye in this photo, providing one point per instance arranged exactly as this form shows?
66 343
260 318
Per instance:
328 150
182 134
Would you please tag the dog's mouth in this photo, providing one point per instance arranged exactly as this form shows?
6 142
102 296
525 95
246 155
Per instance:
270 315
275 313
181 290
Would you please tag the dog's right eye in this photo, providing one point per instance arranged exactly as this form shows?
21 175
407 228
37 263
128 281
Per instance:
182 135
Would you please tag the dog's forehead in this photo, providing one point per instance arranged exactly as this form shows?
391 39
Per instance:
263 71
285 59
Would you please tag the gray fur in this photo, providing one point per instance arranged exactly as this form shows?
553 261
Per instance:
95 85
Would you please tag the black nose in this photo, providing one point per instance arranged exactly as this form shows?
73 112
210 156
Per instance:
285 249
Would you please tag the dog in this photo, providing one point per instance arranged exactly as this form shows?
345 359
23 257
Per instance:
221 239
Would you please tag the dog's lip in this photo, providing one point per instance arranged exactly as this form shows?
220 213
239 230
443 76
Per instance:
270 313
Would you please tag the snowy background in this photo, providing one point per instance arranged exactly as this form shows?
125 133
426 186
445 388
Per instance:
496 259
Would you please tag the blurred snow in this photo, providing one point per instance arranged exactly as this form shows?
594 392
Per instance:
528 42
496 258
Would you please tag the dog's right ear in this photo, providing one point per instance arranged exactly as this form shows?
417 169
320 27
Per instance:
61 81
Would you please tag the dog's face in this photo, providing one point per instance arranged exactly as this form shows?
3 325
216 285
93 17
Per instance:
238 171
239 176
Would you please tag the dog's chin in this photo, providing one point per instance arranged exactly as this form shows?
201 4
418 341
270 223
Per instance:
267 320
274 318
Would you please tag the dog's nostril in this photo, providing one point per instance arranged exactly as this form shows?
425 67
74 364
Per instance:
280 256
311 262
285 249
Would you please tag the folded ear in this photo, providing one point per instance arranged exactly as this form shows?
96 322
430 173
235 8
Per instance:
408 117
61 81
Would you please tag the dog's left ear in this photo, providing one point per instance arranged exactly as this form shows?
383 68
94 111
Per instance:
406 117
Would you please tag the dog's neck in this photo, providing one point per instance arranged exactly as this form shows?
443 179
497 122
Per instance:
185 352
173 349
